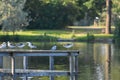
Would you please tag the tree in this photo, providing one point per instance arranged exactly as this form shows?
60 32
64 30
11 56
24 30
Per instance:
13 18
116 19
108 16
51 14
91 9
116 7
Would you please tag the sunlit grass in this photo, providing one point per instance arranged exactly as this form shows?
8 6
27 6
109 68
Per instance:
55 33
103 35
88 27
41 35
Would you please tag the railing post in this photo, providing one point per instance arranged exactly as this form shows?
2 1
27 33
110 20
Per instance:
76 67
12 66
51 65
1 63
71 66
25 66
1 78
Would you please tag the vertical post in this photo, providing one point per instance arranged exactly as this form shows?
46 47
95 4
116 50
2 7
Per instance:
0 77
13 66
71 66
1 64
76 67
24 66
51 65
24 63
1 61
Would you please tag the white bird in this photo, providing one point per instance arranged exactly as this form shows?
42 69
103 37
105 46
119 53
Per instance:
54 47
24 78
3 45
69 45
20 45
96 17
31 45
10 45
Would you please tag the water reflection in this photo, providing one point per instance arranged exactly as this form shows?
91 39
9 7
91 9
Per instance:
97 61
103 66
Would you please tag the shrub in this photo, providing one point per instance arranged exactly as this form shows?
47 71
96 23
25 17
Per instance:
4 38
90 37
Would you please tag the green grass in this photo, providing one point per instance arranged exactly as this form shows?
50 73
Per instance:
51 35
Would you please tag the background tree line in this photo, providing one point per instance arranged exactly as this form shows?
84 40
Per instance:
52 14
57 14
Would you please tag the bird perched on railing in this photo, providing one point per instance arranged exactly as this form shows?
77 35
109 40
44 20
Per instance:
54 47
3 45
68 45
30 45
20 45
10 45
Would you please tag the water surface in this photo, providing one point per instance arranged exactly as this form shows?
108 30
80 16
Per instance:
97 61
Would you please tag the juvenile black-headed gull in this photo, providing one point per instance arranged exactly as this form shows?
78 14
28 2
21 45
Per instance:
31 45
54 47
20 45
3 45
10 45
68 45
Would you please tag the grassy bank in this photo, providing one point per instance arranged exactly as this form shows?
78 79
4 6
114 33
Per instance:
53 35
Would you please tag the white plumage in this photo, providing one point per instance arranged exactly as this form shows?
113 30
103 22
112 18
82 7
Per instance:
10 45
3 45
69 45
30 45
54 47
20 45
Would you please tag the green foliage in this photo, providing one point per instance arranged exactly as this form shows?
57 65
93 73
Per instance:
57 14
82 39
116 7
14 38
117 28
17 38
52 14
73 34
12 16
4 37
90 37
91 8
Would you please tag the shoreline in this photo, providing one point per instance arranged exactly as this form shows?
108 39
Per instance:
105 40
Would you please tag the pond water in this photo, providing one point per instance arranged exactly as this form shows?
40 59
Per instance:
97 61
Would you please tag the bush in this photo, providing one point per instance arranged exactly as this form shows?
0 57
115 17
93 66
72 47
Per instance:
5 38
90 37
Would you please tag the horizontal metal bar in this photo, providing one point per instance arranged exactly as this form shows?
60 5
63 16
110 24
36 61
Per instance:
21 72
12 52
37 51
4 54
40 54
43 54
43 74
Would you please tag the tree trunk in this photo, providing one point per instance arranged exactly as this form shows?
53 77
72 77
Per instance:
108 16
